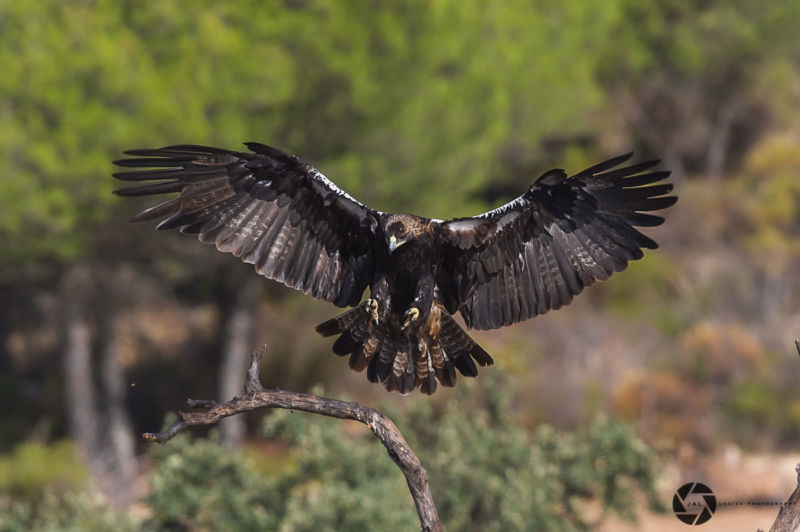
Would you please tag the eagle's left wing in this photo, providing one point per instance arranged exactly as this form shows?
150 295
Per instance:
538 251
267 207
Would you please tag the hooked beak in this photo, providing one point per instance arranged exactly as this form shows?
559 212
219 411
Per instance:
394 243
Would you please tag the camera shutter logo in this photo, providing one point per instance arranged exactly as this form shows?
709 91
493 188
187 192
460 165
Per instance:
694 503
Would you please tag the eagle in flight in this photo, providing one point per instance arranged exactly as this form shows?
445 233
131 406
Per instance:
507 265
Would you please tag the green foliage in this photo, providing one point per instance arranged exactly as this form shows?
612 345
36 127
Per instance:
33 467
338 481
490 474
642 282
73 512
200 485
455 97
63 86
753 409
728 43
755 400
701 80
384 98
772 193
486 473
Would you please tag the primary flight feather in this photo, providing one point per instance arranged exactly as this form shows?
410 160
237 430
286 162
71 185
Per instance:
507 265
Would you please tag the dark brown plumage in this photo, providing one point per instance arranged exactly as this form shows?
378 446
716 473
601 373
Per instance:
507 265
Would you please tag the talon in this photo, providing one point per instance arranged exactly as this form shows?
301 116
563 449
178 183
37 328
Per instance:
412 315
372 309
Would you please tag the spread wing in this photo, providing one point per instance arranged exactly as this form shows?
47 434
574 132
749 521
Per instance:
536 252
267 207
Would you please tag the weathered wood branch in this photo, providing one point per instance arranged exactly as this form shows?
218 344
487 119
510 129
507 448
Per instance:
208 412
789 516
788 519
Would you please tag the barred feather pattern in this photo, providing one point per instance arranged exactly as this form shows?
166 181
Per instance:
401 364
537 252
268 208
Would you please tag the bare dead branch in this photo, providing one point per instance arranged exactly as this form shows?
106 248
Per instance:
789 517
209 412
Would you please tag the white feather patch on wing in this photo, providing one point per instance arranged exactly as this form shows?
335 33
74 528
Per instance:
320 177
504 208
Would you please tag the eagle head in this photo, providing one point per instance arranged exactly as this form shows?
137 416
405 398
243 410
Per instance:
400 229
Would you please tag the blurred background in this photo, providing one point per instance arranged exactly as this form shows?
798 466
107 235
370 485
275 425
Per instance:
680 369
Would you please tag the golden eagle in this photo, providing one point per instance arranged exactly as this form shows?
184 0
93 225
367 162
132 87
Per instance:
507 265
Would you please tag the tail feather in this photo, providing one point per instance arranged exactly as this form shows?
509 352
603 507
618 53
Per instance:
329 328
402 365
360 359
409 381
343 322
397 380
345 344
445 371
458 344
428 383
463 362
424 371
381 365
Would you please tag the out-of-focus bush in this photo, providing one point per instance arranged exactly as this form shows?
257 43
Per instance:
771 194
32 467
200 485
669 408
718 354
72 512
486 472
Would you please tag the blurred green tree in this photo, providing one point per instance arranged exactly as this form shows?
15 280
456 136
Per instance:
699 81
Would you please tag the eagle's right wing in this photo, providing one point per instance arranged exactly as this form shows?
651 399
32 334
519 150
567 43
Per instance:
267 207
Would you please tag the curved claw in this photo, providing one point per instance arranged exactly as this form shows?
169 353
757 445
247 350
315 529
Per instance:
412 315
372 309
